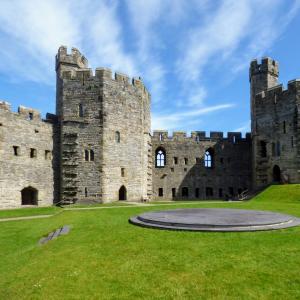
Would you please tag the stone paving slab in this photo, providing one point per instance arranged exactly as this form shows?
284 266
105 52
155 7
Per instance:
54 234
215 219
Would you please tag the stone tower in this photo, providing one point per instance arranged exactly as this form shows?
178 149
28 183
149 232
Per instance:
104 124
274 126
262 77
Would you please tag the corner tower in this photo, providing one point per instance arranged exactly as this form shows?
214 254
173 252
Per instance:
105 145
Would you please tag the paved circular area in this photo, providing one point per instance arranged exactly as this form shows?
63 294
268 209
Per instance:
215 219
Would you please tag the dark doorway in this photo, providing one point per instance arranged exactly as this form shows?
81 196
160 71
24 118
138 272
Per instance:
276 174
29 196
122 193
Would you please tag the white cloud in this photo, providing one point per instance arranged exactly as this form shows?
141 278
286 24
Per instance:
173 120
104 39
31 32
245 127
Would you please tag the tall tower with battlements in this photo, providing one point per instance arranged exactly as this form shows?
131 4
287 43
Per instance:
104 121
274 126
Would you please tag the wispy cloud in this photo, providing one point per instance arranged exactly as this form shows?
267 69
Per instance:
245 127
171 121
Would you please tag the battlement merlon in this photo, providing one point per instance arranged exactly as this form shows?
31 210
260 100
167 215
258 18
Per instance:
73 60
162 135
267 66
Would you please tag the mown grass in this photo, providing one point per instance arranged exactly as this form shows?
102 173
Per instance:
30 211
105 257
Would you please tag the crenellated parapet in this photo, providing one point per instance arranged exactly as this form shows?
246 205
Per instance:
23 112
278 93
162 135
267 65
102 74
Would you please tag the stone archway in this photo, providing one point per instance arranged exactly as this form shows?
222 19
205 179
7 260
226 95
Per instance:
29 196
122 193
276 174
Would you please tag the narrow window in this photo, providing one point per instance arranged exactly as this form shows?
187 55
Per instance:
292 142
197 139
186 160
47 154
185 192
175 159
85 192
16 150
160 137
86 155
278 148
185 169
263 149
160 192
80 110
30 116
117 137
273 149
173 192
284 127
197 192
160 160
220 193
92 155
234 139
208 159
209 191
172 169
123 172
198 160
33 153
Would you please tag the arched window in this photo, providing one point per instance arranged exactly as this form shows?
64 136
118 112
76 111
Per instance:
208 158
92 155
117 136
160 161
80 110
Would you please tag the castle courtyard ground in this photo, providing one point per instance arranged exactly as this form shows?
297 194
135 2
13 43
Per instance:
105 257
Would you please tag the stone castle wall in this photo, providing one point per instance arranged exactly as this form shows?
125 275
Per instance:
277 134
229 174
19 133
98 147
110 117
275 125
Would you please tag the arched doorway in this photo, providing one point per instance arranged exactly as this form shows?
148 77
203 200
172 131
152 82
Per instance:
122 193
29 196
276 174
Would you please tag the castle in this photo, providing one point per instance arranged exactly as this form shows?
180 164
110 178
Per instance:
98 146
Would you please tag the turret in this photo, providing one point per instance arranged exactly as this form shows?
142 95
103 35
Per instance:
262 77
65 61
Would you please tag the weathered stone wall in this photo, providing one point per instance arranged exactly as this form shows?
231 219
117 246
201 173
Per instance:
229 175
277 134
26 131
92 111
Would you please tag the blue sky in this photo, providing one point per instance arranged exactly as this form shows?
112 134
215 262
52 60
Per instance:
192 55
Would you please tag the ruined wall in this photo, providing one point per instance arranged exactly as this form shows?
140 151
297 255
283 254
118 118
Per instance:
277 135
229 174
93 110
18 170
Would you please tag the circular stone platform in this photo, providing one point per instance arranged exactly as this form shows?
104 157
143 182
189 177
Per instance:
215 219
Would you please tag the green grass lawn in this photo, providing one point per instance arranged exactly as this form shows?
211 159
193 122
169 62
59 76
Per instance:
30 211
105 257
